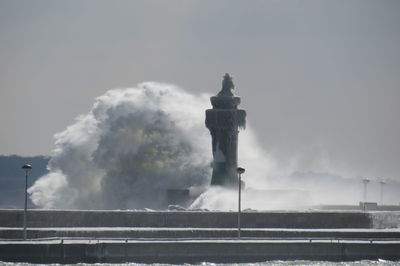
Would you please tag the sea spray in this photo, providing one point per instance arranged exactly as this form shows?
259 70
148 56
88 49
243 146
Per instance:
137 143
131 147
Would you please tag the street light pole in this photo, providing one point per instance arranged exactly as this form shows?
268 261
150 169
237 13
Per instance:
240 171
26 168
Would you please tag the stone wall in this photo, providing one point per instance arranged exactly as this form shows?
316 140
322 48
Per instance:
58 218
195 251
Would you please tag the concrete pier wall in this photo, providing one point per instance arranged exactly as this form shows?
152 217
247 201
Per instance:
55 218
179 237
196 233
196 251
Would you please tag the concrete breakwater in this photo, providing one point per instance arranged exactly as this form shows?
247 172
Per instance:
311 219
177 237
197 233
195 251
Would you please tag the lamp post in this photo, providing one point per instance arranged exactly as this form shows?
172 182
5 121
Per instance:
240 171
26 168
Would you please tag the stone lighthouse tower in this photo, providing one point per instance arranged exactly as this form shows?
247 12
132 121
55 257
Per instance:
224 121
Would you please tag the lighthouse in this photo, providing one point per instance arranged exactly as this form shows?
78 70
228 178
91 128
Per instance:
224 121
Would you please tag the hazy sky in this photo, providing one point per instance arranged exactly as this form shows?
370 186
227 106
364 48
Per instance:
320 79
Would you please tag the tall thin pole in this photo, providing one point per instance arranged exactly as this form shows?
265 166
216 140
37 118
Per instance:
26 168
240 199
26 202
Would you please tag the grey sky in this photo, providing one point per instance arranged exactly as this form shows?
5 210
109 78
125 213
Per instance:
320 79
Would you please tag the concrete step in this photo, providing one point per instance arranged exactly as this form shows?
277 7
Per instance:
166 233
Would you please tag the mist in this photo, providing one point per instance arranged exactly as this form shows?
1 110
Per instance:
136 143
131 147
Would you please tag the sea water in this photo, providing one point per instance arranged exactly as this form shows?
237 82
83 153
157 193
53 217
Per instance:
266 263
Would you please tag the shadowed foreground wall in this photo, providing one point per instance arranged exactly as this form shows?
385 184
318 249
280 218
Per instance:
54 218
196 251
191 237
